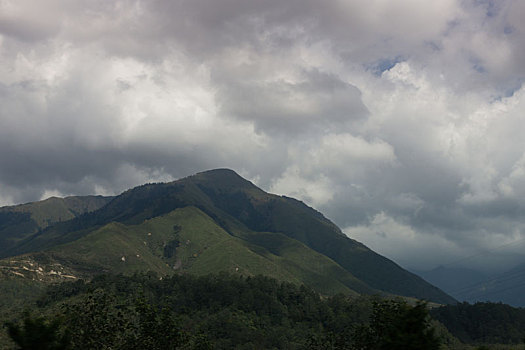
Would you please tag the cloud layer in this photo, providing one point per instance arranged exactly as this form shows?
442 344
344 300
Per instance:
401 121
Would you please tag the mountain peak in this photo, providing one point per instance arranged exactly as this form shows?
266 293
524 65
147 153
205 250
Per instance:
222 178
218 172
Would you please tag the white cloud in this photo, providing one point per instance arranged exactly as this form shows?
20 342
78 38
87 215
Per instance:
52 193
404 244
317 191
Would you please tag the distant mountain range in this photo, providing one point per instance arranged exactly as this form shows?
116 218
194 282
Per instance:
211 222
475 286
453 280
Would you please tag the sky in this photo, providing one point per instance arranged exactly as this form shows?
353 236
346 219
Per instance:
402 121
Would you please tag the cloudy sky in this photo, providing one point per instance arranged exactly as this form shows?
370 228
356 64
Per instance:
402 121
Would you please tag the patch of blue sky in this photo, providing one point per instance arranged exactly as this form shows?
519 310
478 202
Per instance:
477 65
509 90
491 7
384 64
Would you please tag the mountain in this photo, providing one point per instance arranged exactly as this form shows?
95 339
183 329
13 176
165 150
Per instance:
453 280
19 221
507 287
210 222
474 286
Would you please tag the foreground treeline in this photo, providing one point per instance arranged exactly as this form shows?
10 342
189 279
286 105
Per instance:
214 312
232 312
487 323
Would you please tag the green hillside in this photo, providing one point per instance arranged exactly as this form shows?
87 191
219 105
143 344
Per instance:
188 241
218 221
19 221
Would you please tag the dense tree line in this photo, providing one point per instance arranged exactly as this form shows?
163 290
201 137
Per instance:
492 323
216 312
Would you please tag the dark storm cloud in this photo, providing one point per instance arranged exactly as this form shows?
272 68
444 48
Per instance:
28 31
316 100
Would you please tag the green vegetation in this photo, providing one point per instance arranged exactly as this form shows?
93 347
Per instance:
20 221
239 228
38 334
187 240
216 312
492 323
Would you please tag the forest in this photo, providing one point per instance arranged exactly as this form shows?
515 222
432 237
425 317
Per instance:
214 312
222 311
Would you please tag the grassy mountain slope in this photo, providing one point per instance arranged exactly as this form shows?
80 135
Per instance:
20 221
187 240
266 212
277 229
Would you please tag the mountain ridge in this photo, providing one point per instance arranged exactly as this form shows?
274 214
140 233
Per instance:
263 223
20 221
